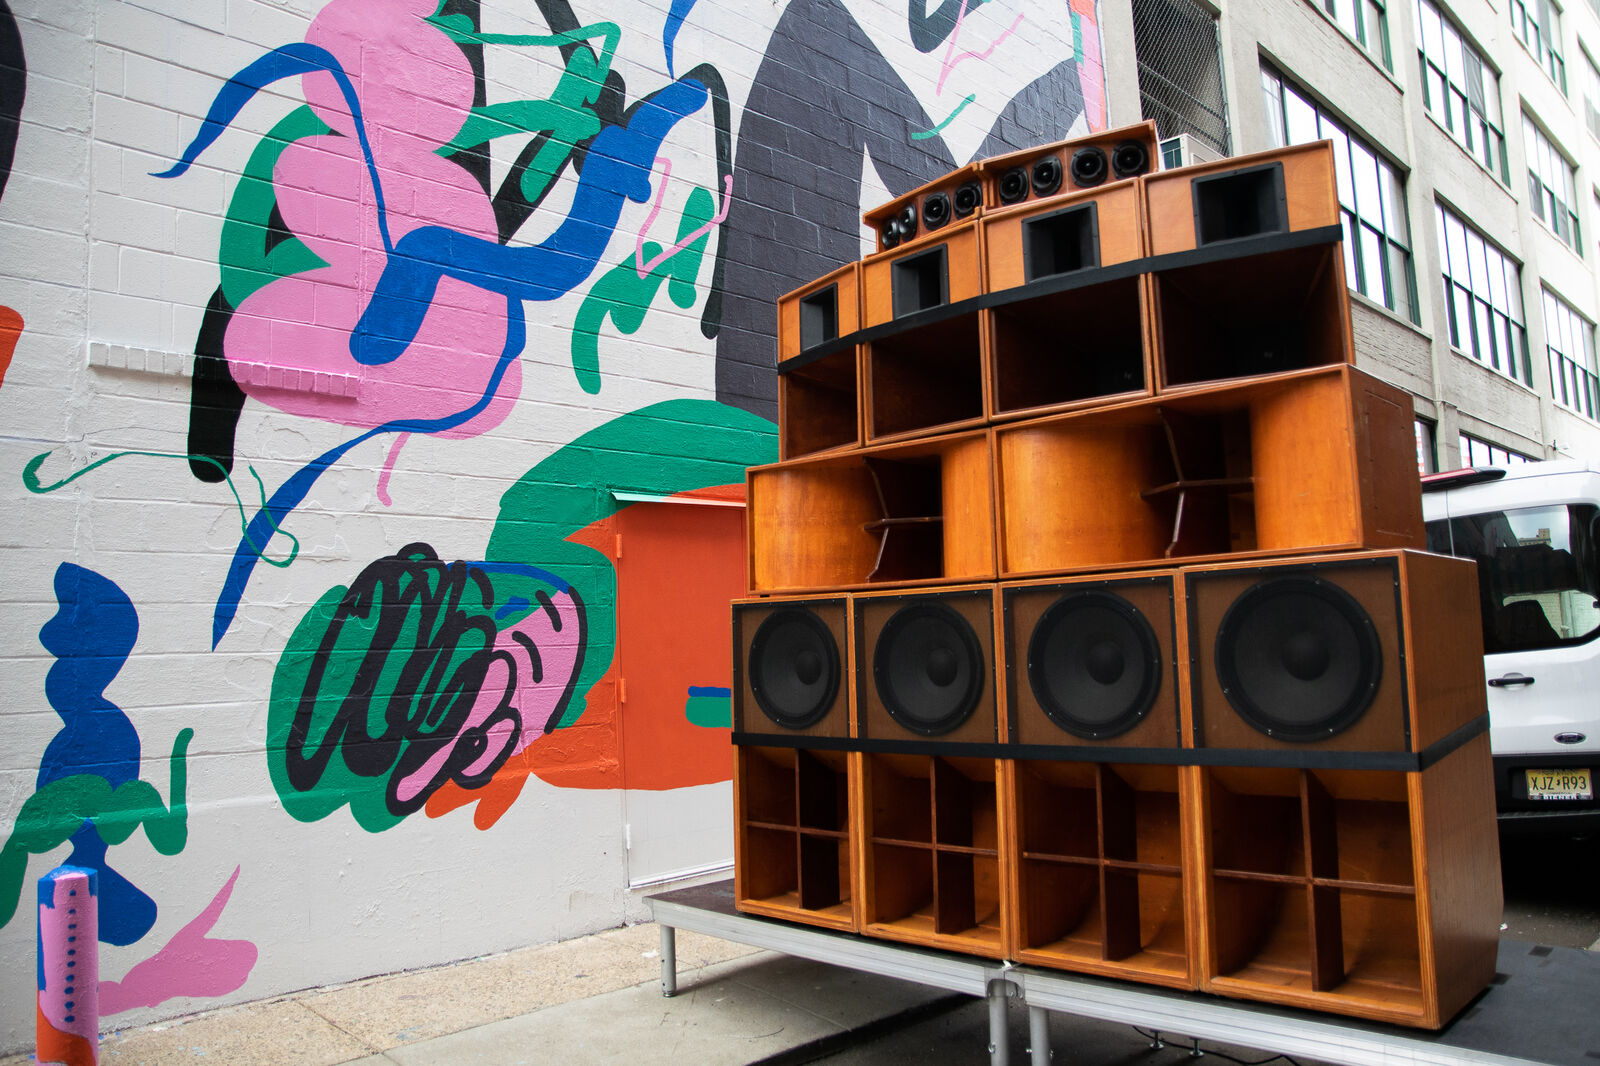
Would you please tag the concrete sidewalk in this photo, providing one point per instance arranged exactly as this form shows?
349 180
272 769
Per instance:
591 999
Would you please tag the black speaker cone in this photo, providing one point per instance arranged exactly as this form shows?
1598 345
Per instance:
928 667
890 233
1014 186
1046 176
969 198
1094 664
1129 159
1298 658
1088 166
794 667
936 210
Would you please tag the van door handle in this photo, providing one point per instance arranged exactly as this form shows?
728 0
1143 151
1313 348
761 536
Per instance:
1510 679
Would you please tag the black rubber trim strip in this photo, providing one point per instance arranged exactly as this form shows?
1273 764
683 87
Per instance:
1242 247
1340 760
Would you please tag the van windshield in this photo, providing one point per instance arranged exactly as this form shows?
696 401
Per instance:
1538 574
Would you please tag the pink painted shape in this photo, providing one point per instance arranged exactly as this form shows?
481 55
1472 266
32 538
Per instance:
950 59
191 964
1092 76
69 941
536 702
388 468
415 88
643 268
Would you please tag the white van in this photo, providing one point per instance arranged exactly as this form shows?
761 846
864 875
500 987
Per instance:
1534 530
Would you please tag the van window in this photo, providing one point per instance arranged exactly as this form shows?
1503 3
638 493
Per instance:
1538 574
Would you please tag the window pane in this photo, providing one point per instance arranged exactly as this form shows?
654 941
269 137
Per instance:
1301 118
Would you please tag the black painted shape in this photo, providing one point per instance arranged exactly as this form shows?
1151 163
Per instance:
722 116
277 230
930 31
13 87
215 399
474 160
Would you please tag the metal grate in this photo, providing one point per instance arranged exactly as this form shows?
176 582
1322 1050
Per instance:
1180 70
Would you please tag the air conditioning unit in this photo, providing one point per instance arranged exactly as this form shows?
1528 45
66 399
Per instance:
1185 150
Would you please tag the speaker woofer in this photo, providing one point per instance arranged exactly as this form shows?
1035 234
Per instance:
1089 166
1014 186
794 668
1094 664
1046 176
889 234
1129 159
936 210
928 668
1298 658
968 198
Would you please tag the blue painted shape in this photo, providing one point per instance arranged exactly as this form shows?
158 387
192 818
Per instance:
617 168
698 691
288 61
669 34
91 635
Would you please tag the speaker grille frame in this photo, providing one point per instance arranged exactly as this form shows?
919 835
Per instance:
1394 697
876 726
750 720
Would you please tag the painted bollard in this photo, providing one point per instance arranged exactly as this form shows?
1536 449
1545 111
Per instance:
68 1013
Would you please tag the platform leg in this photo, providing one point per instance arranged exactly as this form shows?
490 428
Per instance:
669 961
1039 1035
999 1046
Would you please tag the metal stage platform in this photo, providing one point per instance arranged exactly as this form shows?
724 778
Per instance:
1543 1006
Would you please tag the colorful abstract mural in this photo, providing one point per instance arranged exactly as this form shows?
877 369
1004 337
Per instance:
411 300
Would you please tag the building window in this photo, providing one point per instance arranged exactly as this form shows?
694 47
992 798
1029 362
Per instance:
1462 91
1475 452
1483 291
1427 463
1372 200
1538 24
1591 94
1552 182
1365 21
1570 342
1179 54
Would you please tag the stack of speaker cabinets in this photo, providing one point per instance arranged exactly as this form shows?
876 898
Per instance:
1088 625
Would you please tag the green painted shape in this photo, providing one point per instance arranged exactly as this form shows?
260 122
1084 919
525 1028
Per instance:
709 712
624 297
568 114
242 252
51 816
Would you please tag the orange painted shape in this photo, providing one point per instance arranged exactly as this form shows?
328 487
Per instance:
55 1046
10 330
681 565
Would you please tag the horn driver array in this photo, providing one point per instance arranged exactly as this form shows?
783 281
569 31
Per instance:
1087 624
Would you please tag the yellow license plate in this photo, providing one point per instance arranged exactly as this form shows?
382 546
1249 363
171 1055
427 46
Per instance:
1560 784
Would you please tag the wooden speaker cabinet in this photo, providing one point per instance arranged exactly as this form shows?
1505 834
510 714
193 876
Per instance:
1358 659
923 345
1369 893
818 377
1290 464
1103 878
1067 321
1081 163
1091 668
1247 273
921 511
794 849
925 669
956 197
931 867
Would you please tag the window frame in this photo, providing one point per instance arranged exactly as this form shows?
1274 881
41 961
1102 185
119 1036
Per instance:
1471 293
1574 386
1545 35
1372 206
1542 154
1462 121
